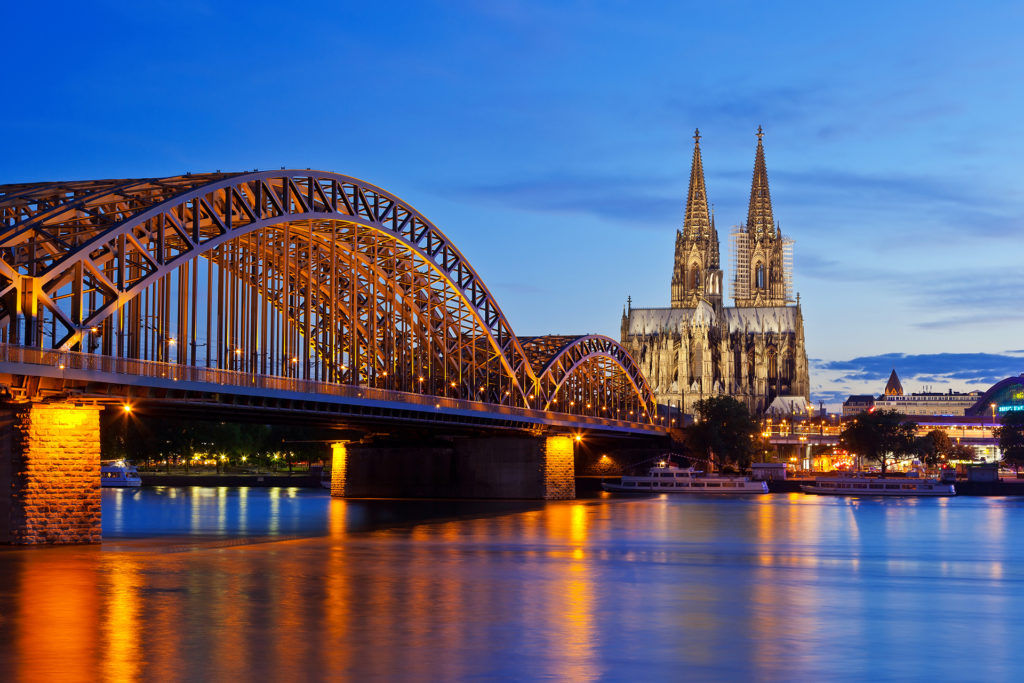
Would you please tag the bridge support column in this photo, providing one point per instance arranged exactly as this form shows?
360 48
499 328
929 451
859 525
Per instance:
50 474
339 464
559 472
516 467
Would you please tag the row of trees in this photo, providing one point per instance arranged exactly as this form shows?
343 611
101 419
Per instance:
727 435
139 438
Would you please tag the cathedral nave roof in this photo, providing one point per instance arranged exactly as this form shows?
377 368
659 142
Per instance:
777 319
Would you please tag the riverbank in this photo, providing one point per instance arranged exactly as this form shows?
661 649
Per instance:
584 484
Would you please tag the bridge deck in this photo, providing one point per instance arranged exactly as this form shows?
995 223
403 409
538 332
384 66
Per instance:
96 378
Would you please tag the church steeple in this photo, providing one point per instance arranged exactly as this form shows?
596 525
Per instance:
759 214
696 274
763 254
696 223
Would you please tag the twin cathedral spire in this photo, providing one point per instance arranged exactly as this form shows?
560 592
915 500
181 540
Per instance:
761 253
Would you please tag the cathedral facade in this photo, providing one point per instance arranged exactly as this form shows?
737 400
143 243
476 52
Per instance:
698 347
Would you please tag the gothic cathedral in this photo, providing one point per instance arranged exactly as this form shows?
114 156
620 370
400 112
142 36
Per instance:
697 348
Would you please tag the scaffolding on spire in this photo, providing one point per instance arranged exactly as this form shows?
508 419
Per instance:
741 263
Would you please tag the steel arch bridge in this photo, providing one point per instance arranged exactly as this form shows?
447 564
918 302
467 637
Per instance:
283 274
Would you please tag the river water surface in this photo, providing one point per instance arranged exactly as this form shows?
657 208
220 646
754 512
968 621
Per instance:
287 584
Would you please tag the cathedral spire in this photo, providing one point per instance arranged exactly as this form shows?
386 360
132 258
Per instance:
759 214
696 223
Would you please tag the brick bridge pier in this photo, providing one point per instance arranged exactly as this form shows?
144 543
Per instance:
49 473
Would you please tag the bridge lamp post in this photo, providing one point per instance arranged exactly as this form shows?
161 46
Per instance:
420 380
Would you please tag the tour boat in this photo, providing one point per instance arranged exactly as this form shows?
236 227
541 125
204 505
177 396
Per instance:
677 480
119 473
878 486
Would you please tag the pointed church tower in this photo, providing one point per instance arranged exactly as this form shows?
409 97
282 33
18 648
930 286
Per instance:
894 387
695 273
763 270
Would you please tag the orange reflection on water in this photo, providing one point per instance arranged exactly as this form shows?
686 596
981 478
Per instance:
121 656
569 594
57 617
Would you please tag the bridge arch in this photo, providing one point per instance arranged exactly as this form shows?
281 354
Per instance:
304 273
590 369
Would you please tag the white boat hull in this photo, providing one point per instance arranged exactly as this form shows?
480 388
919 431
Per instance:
893 488
119 484
750 487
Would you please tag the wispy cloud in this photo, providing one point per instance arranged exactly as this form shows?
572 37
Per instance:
972 368
638 202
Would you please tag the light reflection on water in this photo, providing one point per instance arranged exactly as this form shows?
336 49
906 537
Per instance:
282 583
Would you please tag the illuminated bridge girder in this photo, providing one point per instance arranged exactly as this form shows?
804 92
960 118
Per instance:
285 273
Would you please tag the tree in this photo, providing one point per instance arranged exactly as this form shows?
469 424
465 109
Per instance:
725 433
932 446
879 435
1011 437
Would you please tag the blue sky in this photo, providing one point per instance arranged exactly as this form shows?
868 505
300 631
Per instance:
552 142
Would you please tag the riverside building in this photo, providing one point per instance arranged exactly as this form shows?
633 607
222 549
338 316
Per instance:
698 347
951 403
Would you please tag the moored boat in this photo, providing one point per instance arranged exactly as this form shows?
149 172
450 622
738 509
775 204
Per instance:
679 480
118 474
878 486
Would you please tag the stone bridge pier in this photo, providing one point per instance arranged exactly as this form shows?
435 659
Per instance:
522 467
49 473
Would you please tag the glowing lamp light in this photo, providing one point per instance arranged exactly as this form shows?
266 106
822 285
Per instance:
578 437
294 359
127 407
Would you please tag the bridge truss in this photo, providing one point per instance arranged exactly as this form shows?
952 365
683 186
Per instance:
298 274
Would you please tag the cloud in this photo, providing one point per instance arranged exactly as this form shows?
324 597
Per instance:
651 201
971 368
818 267
734 107
830 397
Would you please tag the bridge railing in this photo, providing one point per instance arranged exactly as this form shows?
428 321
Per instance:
64 361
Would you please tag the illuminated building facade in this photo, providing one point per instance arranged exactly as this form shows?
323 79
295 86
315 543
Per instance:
950 403
698 348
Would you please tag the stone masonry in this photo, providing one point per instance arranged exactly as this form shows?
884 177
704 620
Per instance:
339 462
51 477
559 468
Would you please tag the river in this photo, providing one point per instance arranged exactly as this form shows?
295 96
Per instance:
287 583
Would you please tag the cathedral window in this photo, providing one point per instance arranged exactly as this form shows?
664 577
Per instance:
773 365
759 276
694 277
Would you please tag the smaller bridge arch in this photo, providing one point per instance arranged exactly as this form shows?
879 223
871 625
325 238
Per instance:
574 371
